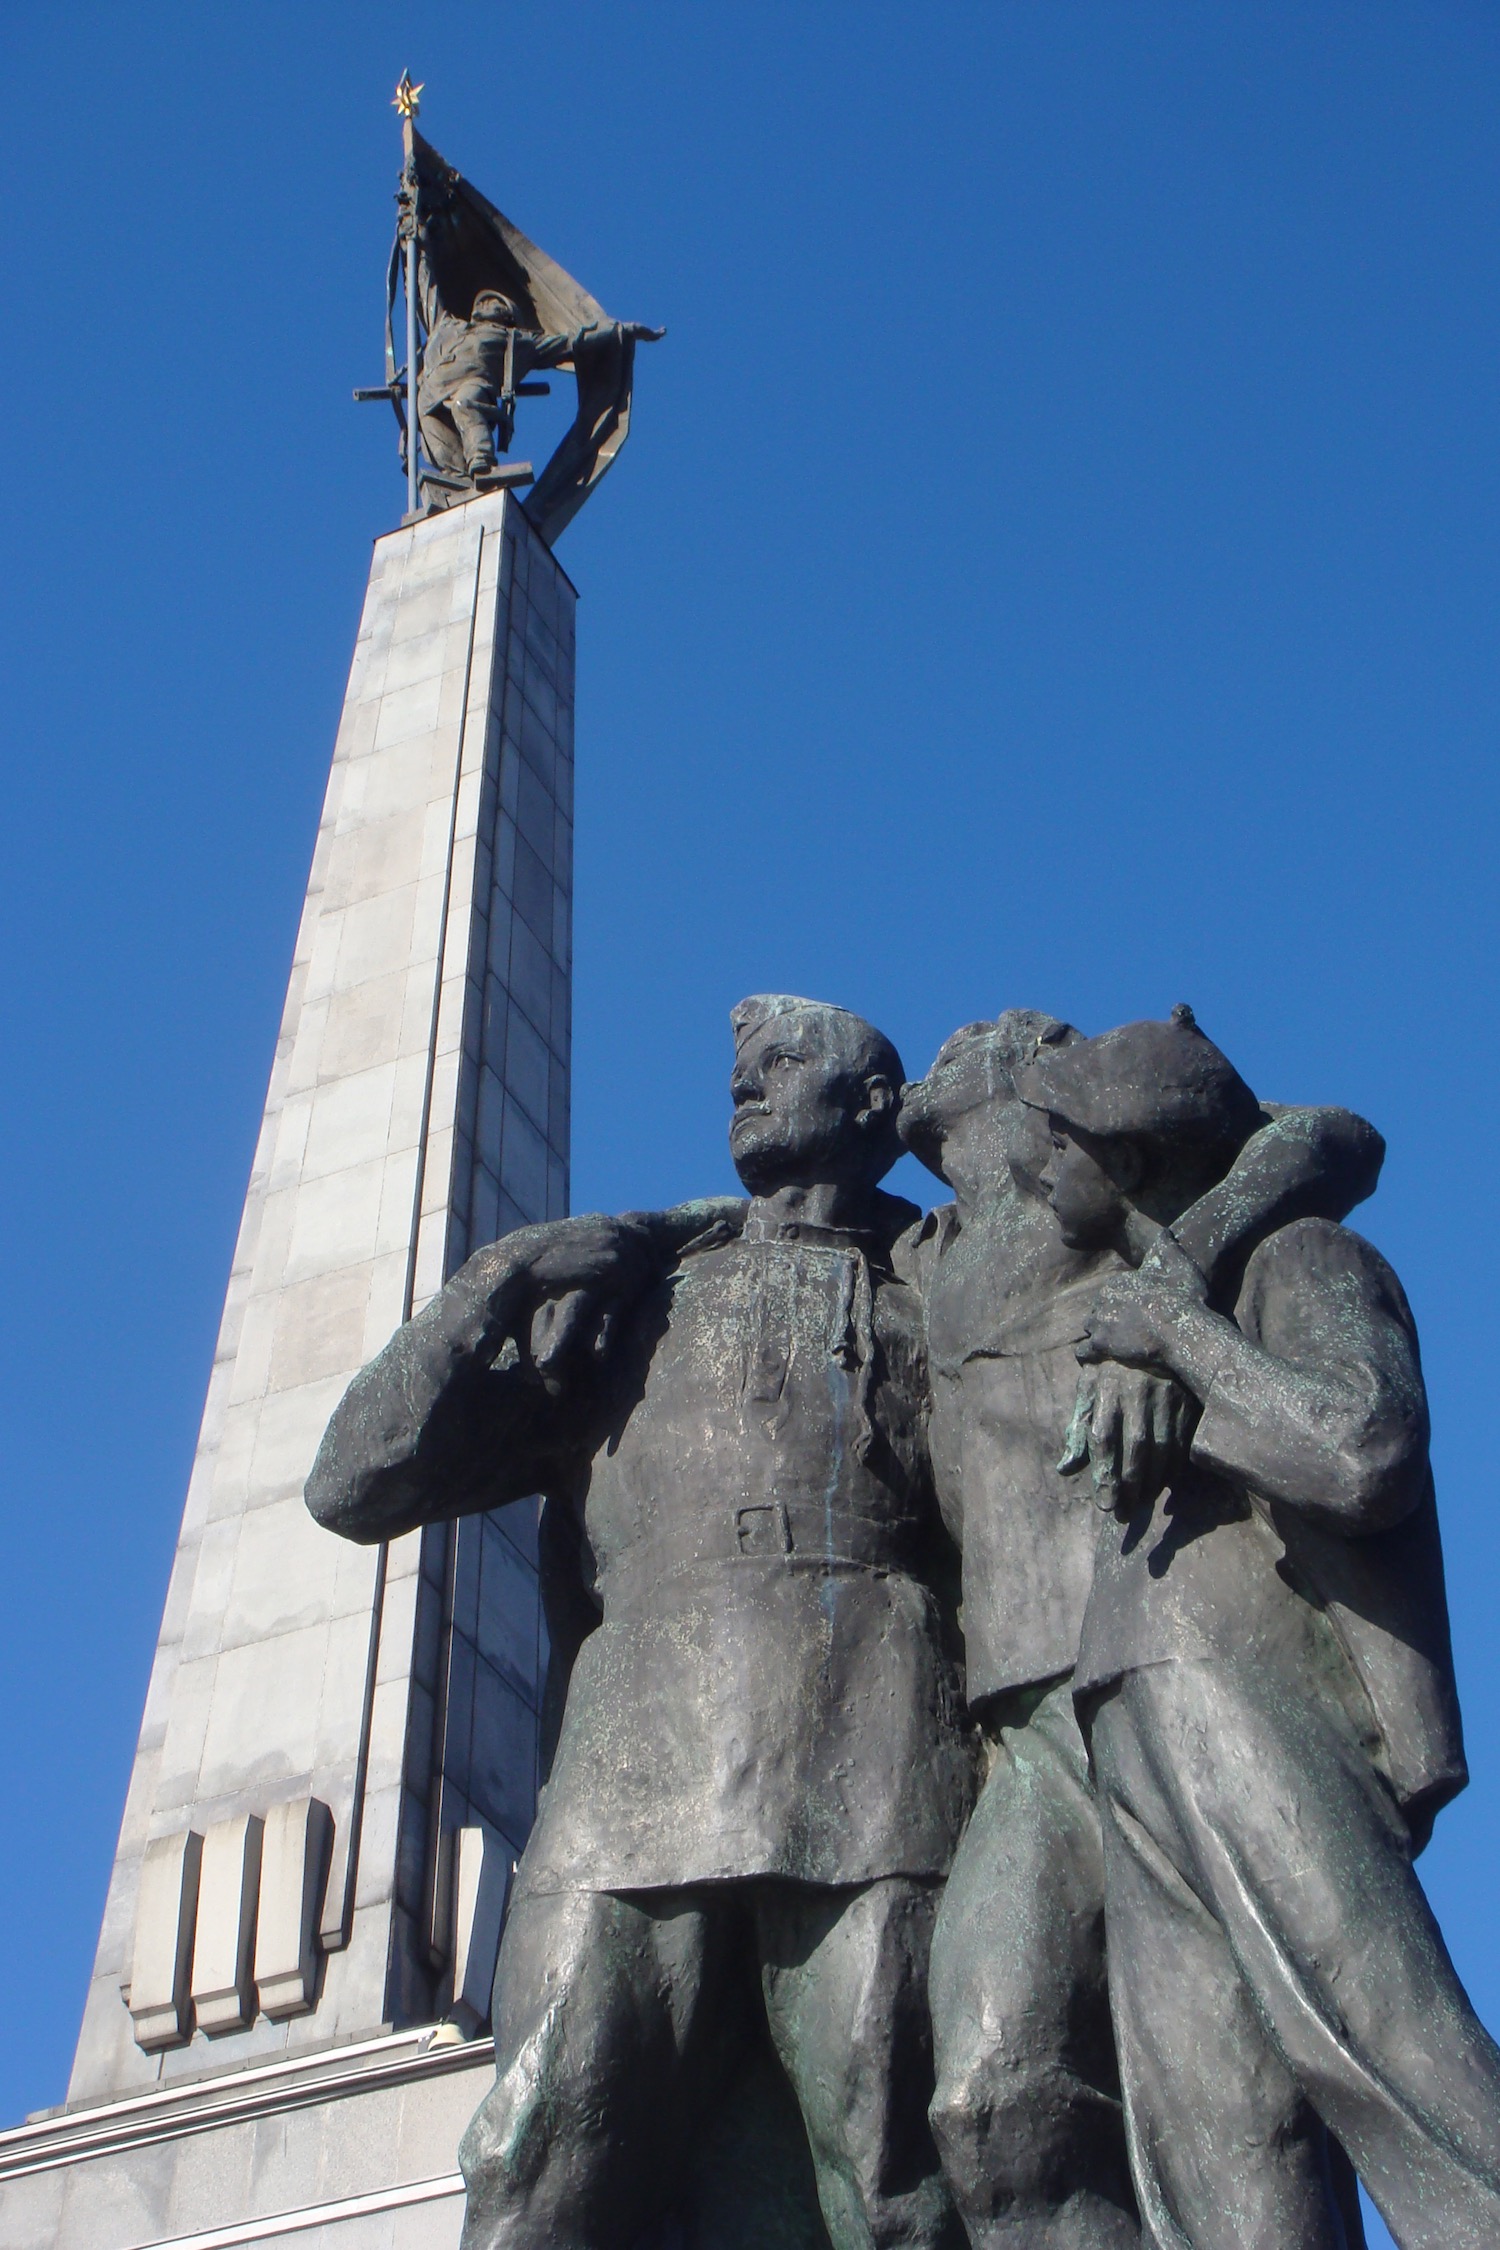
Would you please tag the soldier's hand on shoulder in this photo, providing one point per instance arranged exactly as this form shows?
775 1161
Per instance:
592 1251
1135 1315
1127 1324
559 1291
1132 1430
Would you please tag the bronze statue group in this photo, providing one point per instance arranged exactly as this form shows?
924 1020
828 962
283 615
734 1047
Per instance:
1005 1659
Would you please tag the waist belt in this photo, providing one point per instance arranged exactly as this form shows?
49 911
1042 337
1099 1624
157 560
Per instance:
793 1536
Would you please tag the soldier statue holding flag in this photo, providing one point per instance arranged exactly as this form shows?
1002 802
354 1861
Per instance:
474 370
486 311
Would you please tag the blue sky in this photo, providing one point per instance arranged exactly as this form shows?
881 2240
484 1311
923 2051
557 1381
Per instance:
1056 561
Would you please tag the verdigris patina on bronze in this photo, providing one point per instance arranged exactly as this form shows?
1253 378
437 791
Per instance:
763 1768
1265 1684
1028 2109
1169 1411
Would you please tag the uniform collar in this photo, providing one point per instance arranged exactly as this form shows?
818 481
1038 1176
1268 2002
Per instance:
761 1227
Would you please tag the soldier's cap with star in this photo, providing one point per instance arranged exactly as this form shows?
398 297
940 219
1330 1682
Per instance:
869 1049
1166 1084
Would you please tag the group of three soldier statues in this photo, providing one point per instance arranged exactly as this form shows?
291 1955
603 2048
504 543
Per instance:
1017 1633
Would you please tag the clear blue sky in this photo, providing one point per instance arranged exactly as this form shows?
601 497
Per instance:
1056 562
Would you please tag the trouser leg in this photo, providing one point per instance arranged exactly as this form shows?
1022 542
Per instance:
440 439
844 1974
604 2017
475 429
1258 1799
1027 2109
1227 2152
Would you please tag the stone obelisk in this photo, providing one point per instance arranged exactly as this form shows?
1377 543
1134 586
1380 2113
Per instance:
418 1101
338 1760
337 1768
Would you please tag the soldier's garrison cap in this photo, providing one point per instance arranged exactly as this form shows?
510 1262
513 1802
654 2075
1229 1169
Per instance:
869 1047
1166 1083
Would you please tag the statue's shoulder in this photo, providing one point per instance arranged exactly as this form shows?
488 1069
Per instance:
919 1246
709 1224
1319 1260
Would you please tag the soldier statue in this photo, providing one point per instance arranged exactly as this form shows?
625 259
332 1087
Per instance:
1266 1687
486 310
1183 1964
763 1769
472 371
1027 2108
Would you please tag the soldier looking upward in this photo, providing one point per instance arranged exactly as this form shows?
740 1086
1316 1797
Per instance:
761 1755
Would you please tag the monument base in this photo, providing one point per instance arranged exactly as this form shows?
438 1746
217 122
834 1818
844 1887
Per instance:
356 2149
351 2149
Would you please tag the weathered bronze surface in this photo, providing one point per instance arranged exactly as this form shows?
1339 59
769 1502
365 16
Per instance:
1105 1486
763 1766
493 312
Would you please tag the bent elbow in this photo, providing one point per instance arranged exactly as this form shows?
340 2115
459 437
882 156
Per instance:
1383 1477
356 1504
326 1490
1351 1153
334 1504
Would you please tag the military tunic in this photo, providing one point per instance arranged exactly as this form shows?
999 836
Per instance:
769 1691
463 377
1026 2109
762 1761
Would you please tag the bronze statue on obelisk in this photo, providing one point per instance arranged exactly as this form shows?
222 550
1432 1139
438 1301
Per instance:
486 312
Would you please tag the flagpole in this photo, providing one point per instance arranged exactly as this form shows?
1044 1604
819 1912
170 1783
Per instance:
406 102
411 357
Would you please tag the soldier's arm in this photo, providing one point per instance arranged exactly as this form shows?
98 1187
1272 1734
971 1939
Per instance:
438 1424
482 1398
1322 1406
1302 1164
547 351
1132 1426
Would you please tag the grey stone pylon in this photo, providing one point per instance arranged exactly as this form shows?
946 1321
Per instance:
320 1715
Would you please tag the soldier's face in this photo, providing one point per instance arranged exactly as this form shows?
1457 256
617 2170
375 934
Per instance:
969 1074
1079 1181
966 1122
796 1107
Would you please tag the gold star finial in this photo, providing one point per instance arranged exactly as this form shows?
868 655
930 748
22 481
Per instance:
408 97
